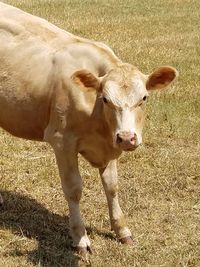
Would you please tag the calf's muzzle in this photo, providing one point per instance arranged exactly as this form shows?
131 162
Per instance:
127 140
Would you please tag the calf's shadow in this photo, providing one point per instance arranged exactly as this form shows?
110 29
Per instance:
24 216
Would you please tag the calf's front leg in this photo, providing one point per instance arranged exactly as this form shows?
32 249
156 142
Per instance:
72 188
118 223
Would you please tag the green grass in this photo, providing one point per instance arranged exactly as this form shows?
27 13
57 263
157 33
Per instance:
159 183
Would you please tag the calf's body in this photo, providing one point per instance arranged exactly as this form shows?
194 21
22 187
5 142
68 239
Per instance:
79 97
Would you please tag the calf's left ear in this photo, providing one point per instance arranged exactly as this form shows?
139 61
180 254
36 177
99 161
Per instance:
161 78
86 79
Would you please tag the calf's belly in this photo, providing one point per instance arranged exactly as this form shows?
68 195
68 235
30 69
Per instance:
21 114
22 123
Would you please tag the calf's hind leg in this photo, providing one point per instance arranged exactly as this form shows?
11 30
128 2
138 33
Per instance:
1 200
72 188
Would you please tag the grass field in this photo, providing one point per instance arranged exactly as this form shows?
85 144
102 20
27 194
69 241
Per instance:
159 183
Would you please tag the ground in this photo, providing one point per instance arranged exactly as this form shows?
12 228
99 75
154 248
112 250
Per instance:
159 183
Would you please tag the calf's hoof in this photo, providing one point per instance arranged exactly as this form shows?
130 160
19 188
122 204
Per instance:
128 240
83 251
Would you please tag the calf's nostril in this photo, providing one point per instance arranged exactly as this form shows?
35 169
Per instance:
119 139
133 138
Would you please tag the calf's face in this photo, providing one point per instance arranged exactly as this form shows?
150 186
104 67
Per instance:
124 92
124 95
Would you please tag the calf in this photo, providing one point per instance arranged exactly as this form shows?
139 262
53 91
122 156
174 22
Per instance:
78 96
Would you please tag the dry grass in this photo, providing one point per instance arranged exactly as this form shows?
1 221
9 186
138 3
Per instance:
159 184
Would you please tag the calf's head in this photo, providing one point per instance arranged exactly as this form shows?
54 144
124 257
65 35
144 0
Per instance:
124 92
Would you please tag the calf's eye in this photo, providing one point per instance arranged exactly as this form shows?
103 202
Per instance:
105 100
144 98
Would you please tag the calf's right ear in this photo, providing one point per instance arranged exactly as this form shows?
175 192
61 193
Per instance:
86 79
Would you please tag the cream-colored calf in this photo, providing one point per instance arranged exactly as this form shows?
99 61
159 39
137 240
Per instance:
79 97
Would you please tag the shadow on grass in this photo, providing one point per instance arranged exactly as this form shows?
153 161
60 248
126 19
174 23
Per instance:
25 216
